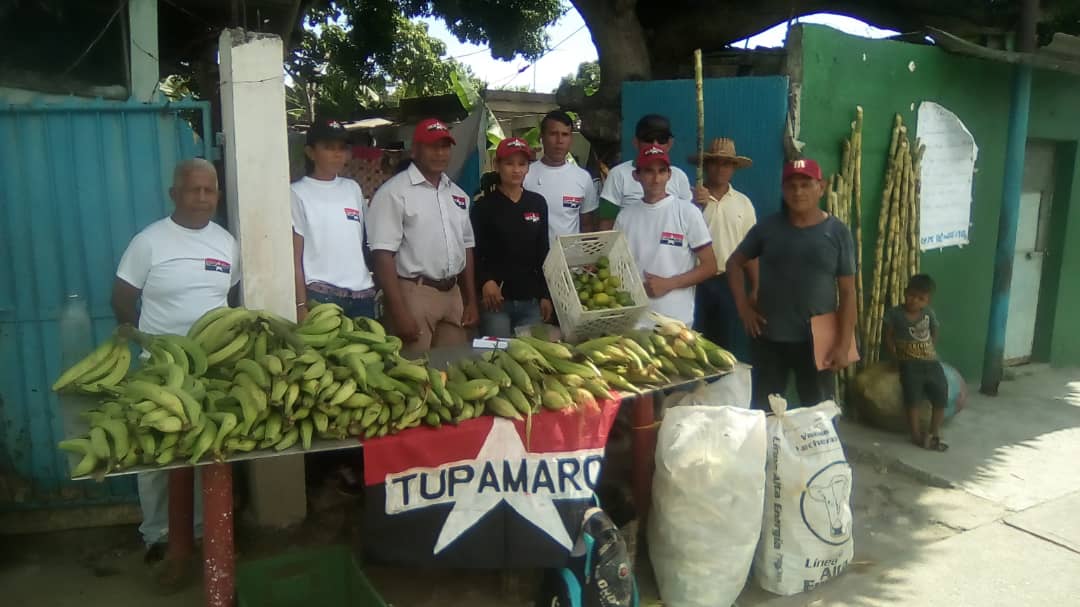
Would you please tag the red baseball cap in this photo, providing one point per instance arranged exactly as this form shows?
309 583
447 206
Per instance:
432 130
803 166
650 154
514 145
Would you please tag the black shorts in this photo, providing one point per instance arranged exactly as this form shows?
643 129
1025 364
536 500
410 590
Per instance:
924 380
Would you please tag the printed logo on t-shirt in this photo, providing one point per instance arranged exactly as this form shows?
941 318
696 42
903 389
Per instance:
572 202
217 265
460 201
532 217
352 214
671 238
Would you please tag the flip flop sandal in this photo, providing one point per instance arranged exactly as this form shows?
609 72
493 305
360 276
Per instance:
934 443
919 442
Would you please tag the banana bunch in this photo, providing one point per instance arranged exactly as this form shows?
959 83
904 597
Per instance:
103 368
329 377
242 380
530 375
650 359
673 350
152 417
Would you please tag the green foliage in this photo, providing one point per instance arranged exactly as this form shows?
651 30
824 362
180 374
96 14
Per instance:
361 54
587 77
333 76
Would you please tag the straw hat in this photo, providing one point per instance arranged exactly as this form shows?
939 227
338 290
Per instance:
723 148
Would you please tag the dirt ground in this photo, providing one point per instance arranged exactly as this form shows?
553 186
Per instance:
104 566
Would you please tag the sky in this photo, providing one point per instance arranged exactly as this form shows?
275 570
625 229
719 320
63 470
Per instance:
571 44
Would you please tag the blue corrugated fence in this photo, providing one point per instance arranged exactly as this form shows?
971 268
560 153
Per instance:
77 181
750 110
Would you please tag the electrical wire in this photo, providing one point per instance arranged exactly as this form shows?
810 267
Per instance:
96 39
512 77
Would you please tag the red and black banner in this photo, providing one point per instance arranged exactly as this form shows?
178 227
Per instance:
484 494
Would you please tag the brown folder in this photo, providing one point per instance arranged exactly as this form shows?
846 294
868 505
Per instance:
825 329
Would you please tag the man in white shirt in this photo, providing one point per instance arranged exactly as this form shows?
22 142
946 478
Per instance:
668 239
179 268
422 244
568 189
622 190
729 215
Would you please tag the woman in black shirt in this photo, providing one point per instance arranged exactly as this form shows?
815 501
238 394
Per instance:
511 228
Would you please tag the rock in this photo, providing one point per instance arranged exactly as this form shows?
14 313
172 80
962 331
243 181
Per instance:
877 401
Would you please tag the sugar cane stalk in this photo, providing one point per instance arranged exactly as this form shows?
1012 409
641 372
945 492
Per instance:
900 256
870 328
916 244
699 82
856 204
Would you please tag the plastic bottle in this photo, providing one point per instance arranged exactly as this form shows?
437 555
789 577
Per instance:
76 339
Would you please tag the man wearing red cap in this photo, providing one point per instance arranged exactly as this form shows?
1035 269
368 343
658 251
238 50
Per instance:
806 264
668 238
422 243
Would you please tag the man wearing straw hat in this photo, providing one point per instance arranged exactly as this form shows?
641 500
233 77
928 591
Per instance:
729 216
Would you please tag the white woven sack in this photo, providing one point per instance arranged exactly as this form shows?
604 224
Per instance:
806 532
709 485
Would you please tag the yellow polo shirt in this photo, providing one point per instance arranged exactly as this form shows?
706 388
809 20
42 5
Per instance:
728 219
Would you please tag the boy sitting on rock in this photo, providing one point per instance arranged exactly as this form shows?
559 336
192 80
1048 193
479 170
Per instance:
911 329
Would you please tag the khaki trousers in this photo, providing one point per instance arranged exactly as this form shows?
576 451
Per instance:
437 315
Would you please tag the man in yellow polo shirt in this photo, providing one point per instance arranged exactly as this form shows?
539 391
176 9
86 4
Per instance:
729 216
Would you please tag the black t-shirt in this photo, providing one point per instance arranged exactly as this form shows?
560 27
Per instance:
511 243
798 271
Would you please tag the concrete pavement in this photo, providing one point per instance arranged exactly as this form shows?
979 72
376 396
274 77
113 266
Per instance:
993 521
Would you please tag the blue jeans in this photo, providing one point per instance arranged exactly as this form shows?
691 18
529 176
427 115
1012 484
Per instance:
352 307
514 314
717 318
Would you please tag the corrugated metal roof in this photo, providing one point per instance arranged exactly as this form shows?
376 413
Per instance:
1061 55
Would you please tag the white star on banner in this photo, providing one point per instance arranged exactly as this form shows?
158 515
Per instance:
503 443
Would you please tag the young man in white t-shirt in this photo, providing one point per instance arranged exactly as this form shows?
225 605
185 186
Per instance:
668 239
179 268
622 189
328 228
568 189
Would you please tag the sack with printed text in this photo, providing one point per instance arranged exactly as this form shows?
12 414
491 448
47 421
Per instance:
806 531
707 490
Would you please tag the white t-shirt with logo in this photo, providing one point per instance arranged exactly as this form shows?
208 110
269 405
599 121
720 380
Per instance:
620 187
569 191
329 215
182 273
663 238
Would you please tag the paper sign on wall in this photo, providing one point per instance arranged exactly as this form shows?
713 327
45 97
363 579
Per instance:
948 170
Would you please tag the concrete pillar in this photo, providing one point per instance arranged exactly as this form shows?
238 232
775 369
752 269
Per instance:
257 190
143 49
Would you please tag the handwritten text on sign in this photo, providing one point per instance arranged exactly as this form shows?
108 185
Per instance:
948 169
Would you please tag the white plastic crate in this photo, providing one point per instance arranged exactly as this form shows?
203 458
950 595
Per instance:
575 250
